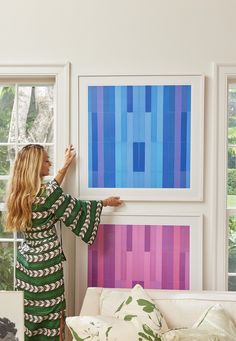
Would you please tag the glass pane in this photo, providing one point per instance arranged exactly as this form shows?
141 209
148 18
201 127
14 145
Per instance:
3 185
7 128
232 283
6 266
4 234
231 182
7 155
232 114
232 245
35 114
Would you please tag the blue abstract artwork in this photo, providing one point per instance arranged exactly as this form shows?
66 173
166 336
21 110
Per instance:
139 136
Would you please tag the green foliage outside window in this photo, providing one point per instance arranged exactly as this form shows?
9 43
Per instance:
6 267
232 252
6 105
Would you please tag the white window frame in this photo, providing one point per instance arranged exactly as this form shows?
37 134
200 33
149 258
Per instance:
223 73
61 74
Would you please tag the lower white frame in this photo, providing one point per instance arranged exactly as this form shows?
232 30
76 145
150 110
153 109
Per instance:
195 220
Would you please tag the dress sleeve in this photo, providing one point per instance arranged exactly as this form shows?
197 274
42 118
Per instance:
82 217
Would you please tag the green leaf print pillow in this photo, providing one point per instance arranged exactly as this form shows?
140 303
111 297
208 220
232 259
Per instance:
100 328
139 308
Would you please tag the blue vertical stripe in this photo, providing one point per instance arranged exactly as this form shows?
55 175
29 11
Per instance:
94 149
154 113
92 98
138 156
124 170
139 113
168 137
158 148
183 149
186 98
124 136
188 147
188 151
109 136
90 162
118 130
129 98
188 95
148 98
147 175
129 147
124 113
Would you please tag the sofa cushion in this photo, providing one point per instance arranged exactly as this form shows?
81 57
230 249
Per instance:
215 318
100 328
189 334
213 325
139 308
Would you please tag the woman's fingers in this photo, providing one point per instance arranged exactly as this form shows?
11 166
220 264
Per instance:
113 201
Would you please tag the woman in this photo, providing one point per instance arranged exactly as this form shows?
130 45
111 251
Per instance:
33 208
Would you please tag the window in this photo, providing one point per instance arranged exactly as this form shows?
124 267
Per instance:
224 178
33 108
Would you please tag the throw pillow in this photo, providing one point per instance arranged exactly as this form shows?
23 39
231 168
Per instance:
216 319
100 328
213 325
189 334
139 308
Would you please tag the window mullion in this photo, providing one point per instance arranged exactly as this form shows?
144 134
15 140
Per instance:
16 113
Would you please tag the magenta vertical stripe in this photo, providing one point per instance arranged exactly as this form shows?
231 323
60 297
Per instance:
158 254
185 241
147 238
101 253
118 253
167 260
109 262
100 136
155 256
129 238
123 251
176 260
90 261
95 267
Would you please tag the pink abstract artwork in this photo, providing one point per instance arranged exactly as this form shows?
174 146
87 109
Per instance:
156 256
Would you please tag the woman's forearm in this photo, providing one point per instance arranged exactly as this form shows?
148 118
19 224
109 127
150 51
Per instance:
61 175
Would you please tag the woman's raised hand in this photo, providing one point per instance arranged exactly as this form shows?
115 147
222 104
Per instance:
112 201
69 156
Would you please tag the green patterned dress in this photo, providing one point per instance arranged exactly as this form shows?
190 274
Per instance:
39 269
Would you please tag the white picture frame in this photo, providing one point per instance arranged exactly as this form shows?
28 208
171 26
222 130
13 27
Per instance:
195 190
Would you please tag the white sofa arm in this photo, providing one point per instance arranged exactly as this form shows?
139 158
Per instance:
91 303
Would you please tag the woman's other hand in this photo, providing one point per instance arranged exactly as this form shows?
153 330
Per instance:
112 201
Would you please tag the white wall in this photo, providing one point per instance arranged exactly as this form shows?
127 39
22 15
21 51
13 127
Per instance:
131 37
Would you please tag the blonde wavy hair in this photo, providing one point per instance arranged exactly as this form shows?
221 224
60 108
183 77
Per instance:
24 184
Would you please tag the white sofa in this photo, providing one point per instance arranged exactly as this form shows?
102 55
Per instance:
181 308
181 311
